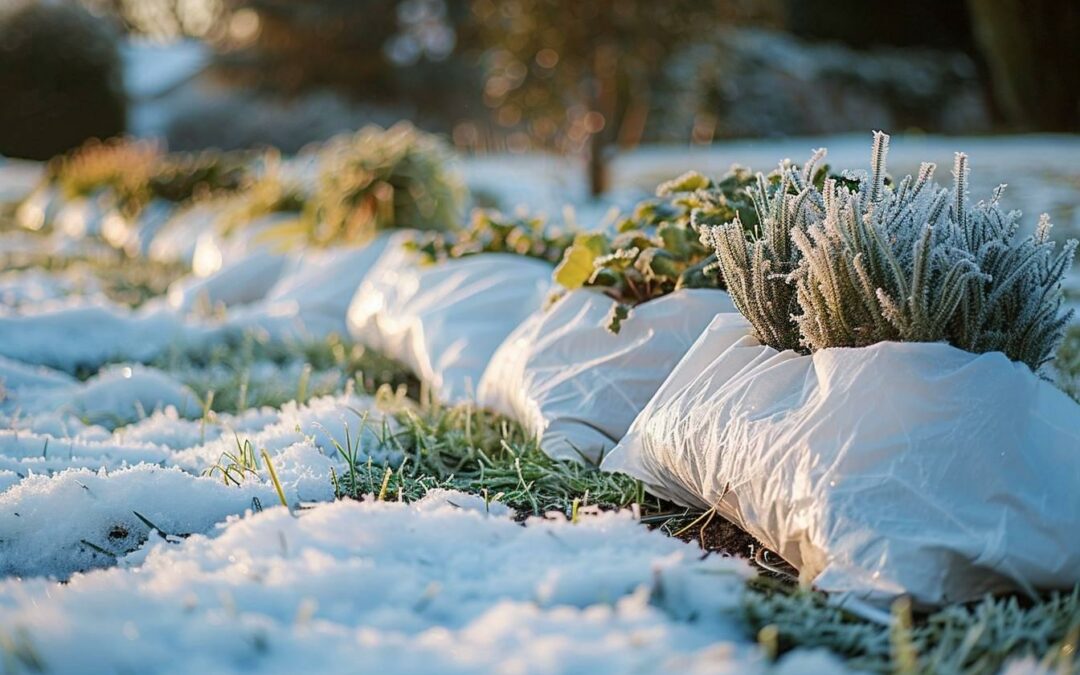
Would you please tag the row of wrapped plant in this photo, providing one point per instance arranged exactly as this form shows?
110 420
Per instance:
848 367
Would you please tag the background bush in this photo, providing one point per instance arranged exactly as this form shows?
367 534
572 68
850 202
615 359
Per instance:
61 75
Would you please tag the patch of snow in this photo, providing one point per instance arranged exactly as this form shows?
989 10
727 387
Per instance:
46 522
122 394
391 587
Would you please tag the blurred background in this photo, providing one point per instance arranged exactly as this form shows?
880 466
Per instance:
588 80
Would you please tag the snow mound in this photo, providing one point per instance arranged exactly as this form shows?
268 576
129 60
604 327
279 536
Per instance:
16 376
81 519
78 334
125 393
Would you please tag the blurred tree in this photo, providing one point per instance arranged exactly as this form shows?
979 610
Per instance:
863 25
579 75
1029 46
60 79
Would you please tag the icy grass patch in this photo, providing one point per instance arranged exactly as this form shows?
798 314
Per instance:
393 587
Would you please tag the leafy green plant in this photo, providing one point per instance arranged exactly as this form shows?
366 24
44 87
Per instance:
848 265
492 232
379 179
658 248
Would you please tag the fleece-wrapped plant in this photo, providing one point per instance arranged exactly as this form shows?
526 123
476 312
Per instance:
658 248
576 373
380 179
492 232
886 432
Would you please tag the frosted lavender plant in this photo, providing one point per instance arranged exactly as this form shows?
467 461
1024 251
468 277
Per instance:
756 268
865 263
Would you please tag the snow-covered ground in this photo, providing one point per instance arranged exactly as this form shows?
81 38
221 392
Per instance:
168 570
449 584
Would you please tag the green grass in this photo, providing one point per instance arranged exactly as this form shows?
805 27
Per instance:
247 371
978 638
125 280
480 453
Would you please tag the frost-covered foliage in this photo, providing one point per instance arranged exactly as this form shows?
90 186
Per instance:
180 177
492 232
755 268
855 263
659 247
378 179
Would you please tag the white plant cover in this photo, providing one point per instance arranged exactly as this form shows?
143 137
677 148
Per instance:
239 282
312 297
898 468
576 385
134 235
446 321
178 238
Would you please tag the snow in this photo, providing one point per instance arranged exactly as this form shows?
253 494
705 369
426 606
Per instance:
122 394
393 587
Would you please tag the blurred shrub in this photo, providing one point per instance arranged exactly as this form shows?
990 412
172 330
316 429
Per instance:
379 179
121 166
60 79
134 172
754 82
270 192
180 177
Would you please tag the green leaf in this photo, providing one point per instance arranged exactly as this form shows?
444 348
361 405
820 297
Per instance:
688 182
578 263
